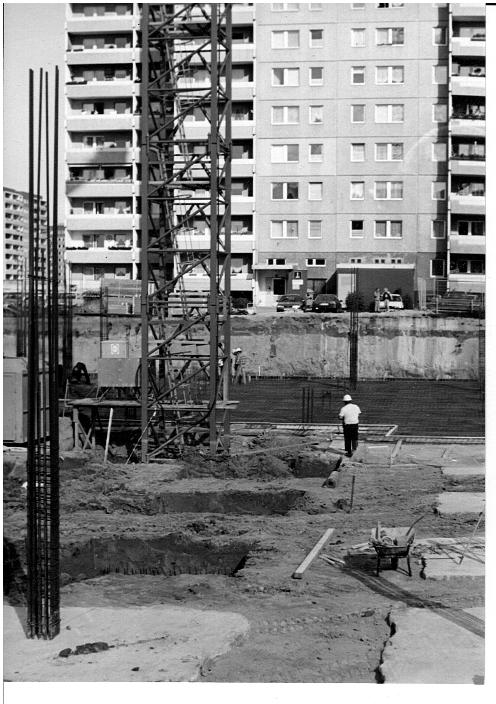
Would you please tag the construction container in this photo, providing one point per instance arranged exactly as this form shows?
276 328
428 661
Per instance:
118 373
115 349
15 400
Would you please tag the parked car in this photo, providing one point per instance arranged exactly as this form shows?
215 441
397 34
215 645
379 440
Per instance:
396 302
290 300
326 303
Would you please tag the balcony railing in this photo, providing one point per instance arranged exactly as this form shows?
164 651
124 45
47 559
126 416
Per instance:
469 157
463 115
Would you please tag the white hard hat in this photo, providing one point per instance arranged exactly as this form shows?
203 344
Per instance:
347 397
237 349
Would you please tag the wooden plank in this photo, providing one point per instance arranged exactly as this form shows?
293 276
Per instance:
111 415
298 573
396 448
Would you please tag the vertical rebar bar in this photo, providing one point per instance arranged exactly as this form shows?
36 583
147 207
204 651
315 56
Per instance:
214 227
31 538
144 229
54 565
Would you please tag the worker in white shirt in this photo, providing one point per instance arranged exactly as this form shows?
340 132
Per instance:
349 415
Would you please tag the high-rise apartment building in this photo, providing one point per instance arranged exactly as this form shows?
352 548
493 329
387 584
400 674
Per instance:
16 240
349 144
467 149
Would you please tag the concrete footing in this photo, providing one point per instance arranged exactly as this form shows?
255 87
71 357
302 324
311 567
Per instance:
432 648
146 644
450 502
463 471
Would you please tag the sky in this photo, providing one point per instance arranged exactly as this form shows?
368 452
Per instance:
33 38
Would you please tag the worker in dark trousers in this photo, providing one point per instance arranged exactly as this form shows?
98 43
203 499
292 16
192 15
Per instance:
349 415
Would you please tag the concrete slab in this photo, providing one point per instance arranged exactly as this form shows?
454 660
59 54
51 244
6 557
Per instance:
429 648
165 643
460 471
450 502
442 557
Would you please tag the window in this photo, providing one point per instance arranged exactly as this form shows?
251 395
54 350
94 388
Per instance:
283 229
282 153
275 262
315 190
389 113
439 190
285 76
316 262
440 112
439 36
315 152
438 229
285 6
467 266
389 151
316 38
388 228
386 5
438 268
388 190
356 228
395 260
284 190
471 228
355 260
380 261
357 152
315 6
358 74
357 37
389 74
315 229
439 75
358 113
316 114
357 190
285 114
316 76
439 151
285 39
388 36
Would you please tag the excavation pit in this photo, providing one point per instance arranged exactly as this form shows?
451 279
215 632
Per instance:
168 555
256 502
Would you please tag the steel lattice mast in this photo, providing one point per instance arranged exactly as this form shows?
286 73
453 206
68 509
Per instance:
185 179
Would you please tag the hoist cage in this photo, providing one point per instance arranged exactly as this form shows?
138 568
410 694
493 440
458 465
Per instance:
186 227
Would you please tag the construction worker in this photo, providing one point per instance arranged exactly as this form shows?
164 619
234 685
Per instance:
349 416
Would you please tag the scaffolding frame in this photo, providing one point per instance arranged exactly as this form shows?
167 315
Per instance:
185 353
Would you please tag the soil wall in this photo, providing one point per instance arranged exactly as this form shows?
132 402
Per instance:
397 345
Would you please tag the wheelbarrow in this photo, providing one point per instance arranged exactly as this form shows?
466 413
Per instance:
392 544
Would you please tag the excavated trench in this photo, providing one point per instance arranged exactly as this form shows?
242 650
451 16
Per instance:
255 503
168 555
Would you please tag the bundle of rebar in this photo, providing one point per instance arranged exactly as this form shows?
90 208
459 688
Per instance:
42 543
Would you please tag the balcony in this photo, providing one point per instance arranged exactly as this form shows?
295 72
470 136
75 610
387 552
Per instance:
103 56
470 283
464 126
100 189
82 122
467 11
95 255
243 52
103 222
465 46
468 166
102 24
97 156
467 204
103 89
464 244
468 85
